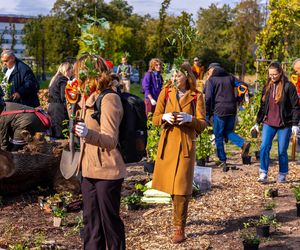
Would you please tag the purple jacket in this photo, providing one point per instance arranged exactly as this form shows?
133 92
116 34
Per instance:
152 84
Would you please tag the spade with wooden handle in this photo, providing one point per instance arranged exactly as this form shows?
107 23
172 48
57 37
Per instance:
70 157
294 144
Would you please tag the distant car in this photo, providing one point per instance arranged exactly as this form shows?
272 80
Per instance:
135 77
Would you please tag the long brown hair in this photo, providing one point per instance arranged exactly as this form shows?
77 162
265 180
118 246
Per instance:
186 69
100 79
280 84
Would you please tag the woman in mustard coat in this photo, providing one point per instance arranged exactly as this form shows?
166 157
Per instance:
174 165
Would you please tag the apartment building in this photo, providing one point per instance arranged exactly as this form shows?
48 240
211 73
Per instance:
11 33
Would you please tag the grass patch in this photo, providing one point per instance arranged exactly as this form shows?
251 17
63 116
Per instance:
135 89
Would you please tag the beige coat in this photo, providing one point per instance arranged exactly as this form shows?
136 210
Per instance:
174 165
99 157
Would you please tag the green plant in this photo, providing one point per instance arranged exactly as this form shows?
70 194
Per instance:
131 199
270 205
248 235
265 220
296 191
59 212
152 139
140 187
204 146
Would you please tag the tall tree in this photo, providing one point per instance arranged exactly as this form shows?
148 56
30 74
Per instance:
246 25
160 29
274 40
213 25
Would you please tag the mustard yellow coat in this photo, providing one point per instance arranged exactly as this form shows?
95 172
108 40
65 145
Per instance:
174 165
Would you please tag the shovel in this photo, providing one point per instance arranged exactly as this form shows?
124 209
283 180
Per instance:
70 157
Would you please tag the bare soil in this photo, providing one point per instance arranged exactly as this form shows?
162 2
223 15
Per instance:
214 220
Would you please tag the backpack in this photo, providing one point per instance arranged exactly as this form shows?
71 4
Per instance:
133 127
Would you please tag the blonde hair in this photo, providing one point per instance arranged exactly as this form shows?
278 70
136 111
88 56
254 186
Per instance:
62 70
153 62
102 80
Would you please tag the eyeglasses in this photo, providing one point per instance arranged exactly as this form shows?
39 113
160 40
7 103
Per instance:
157 65
196 60
273 75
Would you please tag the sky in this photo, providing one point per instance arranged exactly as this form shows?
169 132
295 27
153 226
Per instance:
142 7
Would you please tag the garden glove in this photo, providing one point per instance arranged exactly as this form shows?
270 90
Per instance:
168 117
255 127
153 102
295 130
81 130
183 117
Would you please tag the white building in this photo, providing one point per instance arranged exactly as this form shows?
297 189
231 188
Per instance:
11 26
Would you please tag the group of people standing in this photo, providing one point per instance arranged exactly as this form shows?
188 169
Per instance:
181 110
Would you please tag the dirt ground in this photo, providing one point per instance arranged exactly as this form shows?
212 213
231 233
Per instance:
214 220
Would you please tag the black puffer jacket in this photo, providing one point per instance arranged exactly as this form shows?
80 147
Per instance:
57 108
288 107
220 94
25 83
12 125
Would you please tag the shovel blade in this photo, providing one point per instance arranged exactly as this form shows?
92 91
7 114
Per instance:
68 163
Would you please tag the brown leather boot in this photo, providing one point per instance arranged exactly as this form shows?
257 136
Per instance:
178 235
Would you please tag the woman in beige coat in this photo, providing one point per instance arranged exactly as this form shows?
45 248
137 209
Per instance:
174 165
101 163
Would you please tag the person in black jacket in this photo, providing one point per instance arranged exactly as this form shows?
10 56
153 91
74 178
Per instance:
57 108
24 87
14 128
279 113
221 103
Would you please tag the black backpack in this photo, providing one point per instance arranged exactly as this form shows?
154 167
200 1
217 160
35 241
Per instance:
133 127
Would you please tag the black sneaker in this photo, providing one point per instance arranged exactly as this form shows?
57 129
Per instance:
245 149
224 166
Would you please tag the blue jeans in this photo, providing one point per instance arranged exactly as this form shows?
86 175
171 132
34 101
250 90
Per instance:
268 134
223 128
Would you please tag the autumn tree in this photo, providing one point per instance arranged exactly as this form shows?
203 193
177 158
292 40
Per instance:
274 40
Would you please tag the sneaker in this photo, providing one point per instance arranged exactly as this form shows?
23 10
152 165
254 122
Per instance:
263 177
245 149
281 178
224 166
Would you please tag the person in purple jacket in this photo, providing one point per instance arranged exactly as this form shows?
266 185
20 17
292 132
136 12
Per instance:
152 84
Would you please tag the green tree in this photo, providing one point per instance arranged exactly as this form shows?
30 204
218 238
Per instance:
246 25
213 25
274 40
160 28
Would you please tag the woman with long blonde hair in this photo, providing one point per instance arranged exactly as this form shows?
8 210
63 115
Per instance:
279 113
101 164
57 107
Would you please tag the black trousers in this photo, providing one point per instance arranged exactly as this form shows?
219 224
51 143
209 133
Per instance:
103 227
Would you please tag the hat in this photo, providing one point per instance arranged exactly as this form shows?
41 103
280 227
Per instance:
196 59
213 65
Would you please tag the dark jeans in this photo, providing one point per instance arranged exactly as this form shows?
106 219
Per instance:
103 227
223 128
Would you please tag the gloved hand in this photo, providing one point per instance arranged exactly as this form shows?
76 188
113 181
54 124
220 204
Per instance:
81 130
153 102
168 117
295 130
183 117
255 127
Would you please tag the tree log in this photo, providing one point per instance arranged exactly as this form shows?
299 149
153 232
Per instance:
37 164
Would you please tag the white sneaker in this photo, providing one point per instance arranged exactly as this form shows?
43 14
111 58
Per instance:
263 177
281 178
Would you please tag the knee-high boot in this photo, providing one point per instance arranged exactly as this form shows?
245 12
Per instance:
180 203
